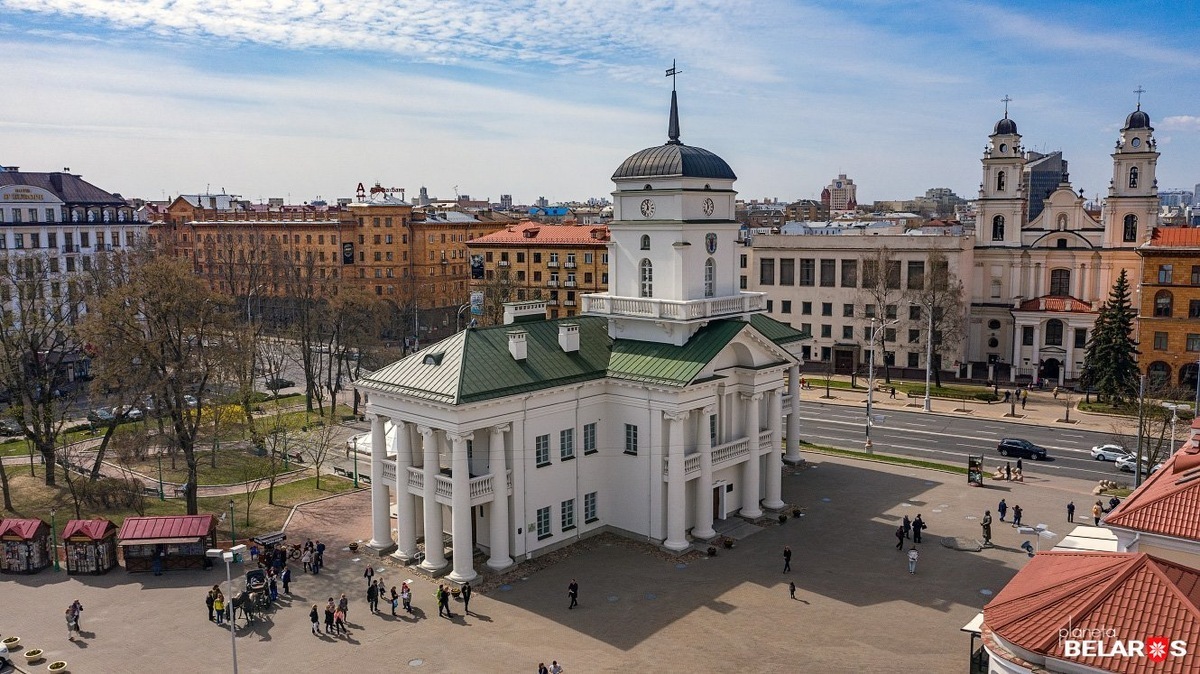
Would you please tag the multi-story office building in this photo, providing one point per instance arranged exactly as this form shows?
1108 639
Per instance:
840 196
1169 307
1042 174
531 260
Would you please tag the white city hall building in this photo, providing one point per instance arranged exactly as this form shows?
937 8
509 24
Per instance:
655 414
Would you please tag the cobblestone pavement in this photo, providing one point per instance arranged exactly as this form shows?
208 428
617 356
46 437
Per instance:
857 608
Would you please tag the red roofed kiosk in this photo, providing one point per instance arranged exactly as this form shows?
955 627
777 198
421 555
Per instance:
176 542
90 546
26 545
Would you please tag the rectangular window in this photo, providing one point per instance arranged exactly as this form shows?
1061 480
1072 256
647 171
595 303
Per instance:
867 334
566 444
914 336
52 240
543 523
1081 338
826 331
785 307
631 439
914 312
18 240
806 308
1196 275
847 332
893 274
741 282
1193 342
770 306
742 261
916 275
568 514
914 360
589 439
849 273
889 312
1027 335
589 508
542 450
847 311
806 328
1160 341
826 354
826 308
807 272
889 334
787 271
587 258
712 430
35 240
828 273
766 271
49 215
1164 272
1060 282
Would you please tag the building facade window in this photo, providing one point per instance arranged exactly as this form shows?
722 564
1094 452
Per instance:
1060 282
1160 341
645 242
589 439
1027 335
1163 301
589 508
646 285
847 311
1129 233
766 271
1000 181
1054 332
828 273
568 514
542 450
1165 273
566 444
849 273
787 271
543 523
1193 342
1133 177
1158 373
710 277
998 228
916 275
1081 336
631 439
807 272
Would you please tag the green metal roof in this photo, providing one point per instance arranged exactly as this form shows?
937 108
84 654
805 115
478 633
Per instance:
475 364
669 364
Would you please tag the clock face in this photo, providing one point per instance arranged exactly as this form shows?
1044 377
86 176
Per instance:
709 207
647 208
838 184
1136 142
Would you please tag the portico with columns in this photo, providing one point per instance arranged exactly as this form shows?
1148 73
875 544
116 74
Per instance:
656 414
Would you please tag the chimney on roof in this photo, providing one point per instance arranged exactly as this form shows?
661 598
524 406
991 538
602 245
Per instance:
524 311
568 337
517 346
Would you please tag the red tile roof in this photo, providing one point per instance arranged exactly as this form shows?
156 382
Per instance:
25 528
180 526
1135 595
530 233
1056 303
94 529
1175 237
1168 502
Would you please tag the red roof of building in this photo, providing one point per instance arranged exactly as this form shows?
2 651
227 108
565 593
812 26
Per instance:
1175 237
530 233
1135 595
1168 502
25 528
1056 303
175 526
94 529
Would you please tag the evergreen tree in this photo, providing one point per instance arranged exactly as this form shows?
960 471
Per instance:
1111 360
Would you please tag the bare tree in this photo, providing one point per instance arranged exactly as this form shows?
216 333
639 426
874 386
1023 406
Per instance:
941 299
879 296
317 445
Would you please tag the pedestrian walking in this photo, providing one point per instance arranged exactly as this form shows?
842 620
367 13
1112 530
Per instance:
395 599
306 560
792 589
987 527
542 668
1071 512
329 611
1007 395
1097 511
912 559
573 592
1002 508
72 624
1007 472
1055 393
273 588
369 574
219 607
373 597
315 618
555 668
466 597
893 393
208 601
339 621
344 605
1016 516
406 597
1113 503
907 524
1020 467
1024 398
318 557
918 526
444 601
900 537
287 579
787 559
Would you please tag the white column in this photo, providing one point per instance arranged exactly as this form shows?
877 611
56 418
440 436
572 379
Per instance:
381 530
1018 335
676 526
704 487
750 469
1037 348
460 510
792 456
406 525
1069 341
435 555
498 510
774 466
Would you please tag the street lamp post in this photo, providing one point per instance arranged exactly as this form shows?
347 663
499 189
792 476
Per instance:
929 359
232 526
54 537
458 316
871 376
355 450
230 556
161 496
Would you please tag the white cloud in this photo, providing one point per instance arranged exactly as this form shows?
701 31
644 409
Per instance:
1180 123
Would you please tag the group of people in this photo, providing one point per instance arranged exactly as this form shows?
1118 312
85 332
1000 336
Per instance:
335 617
1002 508
907 527
554 668
312 556
73 612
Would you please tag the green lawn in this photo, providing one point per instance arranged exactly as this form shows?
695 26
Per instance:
1153 409
981 393
233 465
884 458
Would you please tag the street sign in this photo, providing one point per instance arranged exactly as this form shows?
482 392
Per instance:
476 303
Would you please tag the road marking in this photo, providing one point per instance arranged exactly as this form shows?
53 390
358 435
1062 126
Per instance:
959 436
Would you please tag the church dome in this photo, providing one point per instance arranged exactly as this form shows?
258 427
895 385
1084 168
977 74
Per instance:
1005 126
674 160
1137 120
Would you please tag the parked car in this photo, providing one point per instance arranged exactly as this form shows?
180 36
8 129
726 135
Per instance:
100 416
1108 452
190 400
129 412
1019 447
278 382
1127 462
10 427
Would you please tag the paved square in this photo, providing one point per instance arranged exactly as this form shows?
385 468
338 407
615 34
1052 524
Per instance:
857 608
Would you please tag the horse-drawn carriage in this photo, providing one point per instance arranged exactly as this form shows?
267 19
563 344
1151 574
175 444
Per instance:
257 588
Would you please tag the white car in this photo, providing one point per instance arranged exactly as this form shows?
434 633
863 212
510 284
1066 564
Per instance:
1109 452
1127 462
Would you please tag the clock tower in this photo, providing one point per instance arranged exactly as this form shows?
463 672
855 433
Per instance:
673 247
1131 210
1001 206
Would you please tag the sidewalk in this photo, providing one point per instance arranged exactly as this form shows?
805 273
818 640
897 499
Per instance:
1042 409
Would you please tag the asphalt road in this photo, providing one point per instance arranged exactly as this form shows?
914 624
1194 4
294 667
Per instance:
950 439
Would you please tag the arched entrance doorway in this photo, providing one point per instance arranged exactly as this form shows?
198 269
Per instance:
1050 370
1159 374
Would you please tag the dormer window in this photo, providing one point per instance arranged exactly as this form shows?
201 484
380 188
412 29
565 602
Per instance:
432 359
645 242
647 187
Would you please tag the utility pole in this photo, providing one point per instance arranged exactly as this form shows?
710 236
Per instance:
929 358
1137 466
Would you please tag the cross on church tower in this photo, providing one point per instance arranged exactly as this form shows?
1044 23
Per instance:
1139 91
1005 101
672 72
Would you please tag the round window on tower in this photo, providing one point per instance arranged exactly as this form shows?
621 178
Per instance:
1136 142
993 324
1004 147
993 343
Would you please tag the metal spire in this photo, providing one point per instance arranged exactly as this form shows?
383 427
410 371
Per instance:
1139 91
673 125
1005 101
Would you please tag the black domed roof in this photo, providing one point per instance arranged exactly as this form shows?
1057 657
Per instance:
674 160
1137 120
1005 126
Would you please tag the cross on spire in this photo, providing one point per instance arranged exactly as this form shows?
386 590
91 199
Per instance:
673 123
672 72
1139 91
1006 100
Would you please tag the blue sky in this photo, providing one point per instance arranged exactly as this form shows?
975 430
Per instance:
302 99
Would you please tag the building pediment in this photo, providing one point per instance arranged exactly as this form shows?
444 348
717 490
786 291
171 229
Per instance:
1056 303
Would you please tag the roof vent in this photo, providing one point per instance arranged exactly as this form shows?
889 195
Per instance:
568 337
515 312
517 345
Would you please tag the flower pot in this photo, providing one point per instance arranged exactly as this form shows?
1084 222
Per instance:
57 666
712 551
796 513
728 544
33 654
782 519
11 641
353 547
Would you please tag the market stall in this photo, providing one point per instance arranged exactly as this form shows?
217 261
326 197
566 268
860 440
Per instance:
90 546
167 543
26 545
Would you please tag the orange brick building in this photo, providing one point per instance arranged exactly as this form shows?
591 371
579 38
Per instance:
531 260
1169 311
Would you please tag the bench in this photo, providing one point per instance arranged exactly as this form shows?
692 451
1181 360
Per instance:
342 472
297 457
365 479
